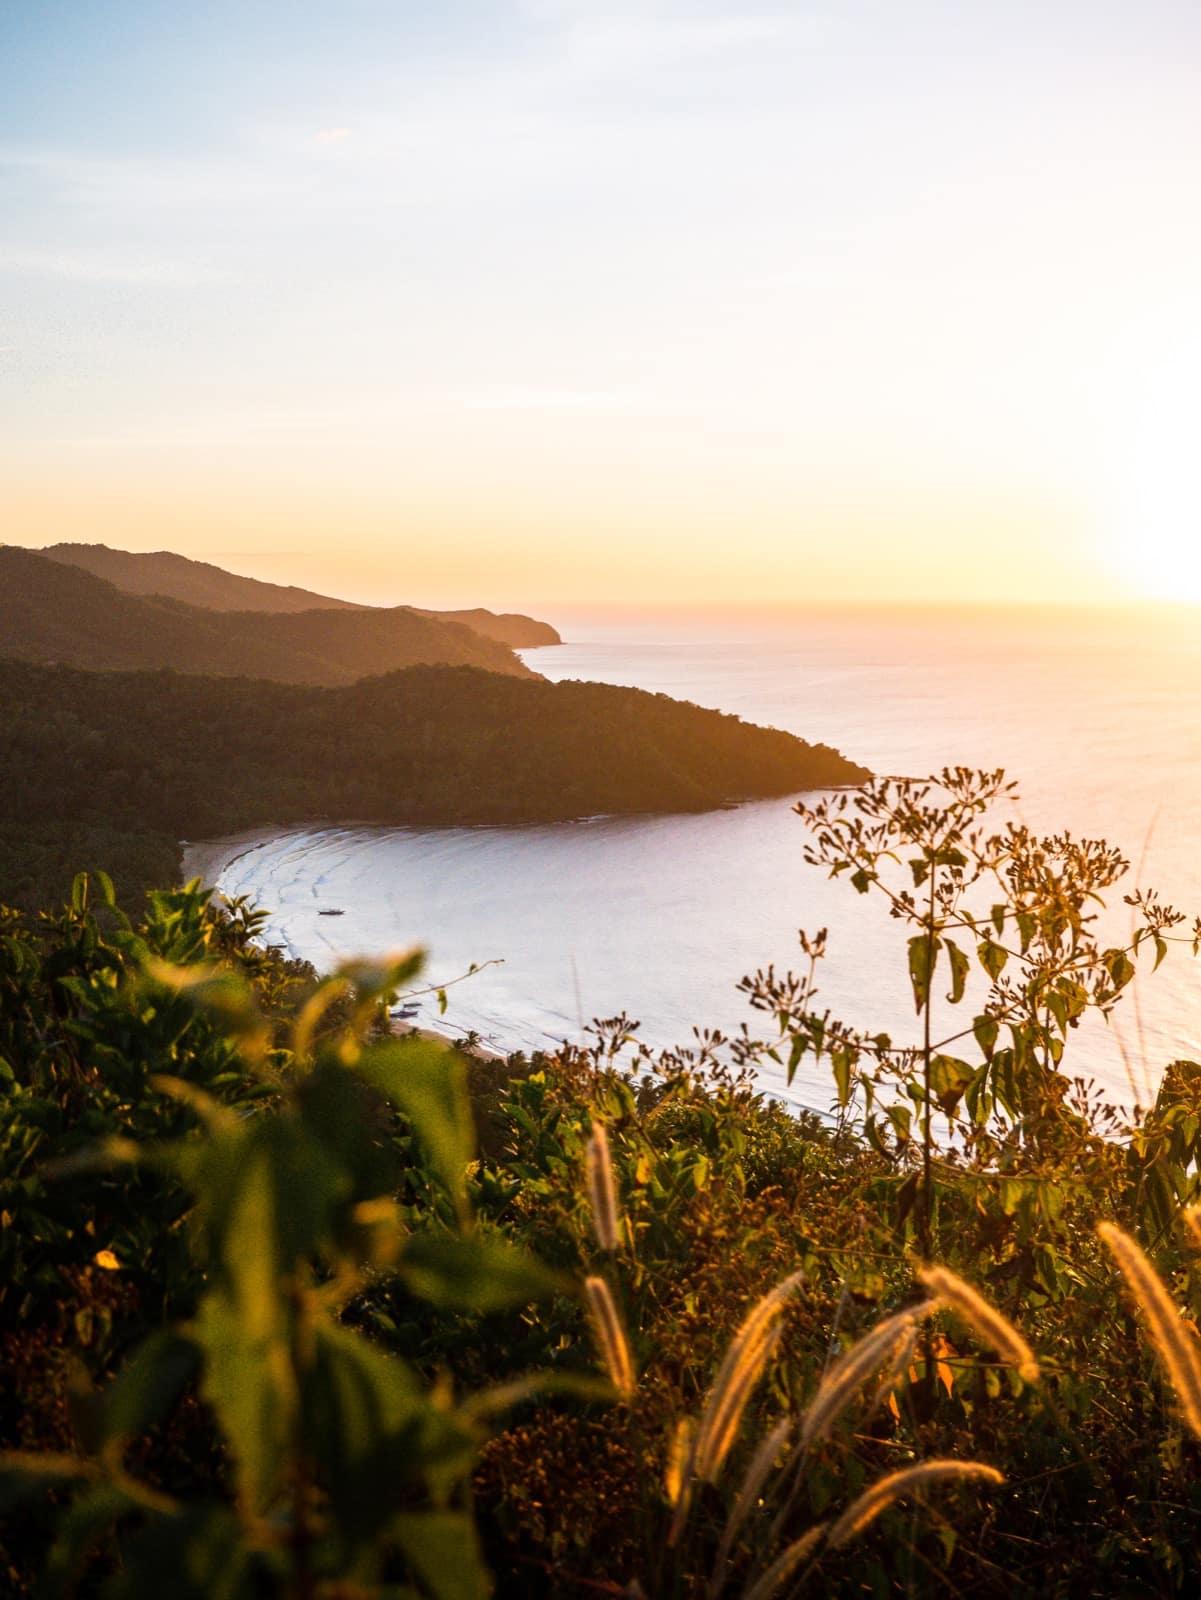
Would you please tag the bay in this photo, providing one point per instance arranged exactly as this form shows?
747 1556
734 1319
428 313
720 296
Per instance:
1097 716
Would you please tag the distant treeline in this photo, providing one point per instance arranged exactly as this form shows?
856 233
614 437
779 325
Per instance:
54 612
158 756
199 583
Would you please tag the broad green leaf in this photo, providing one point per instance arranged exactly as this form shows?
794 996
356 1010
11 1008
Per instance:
250 1384
923 957
986 1029
372 1426
1119 966
26 1473
949 1077
428 1083
959 970
89 1518
475 1274
840 1062
992 957
146 1387
197 1554
268 1195
443 1551
375 980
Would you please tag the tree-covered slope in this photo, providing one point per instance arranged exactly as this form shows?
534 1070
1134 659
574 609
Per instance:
54 612
196 583
189 756
513 628
199 583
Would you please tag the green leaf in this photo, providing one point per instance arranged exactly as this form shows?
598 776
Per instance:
370 1423
992 958
249 1382
949 1077
959 971
902 1120
24 1474
923 956
428 1083
840 1062
196 1555
1119 966
89 1517
376 980
986 1029
475 1274
146 1387
503 1397
442 1549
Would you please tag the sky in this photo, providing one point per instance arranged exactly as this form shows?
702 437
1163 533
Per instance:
653 303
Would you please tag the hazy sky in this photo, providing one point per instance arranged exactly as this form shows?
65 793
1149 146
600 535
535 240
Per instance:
558 302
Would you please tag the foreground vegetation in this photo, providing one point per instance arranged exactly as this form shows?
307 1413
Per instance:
275 1322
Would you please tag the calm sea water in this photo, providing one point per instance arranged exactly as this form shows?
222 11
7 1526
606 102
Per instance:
1099 719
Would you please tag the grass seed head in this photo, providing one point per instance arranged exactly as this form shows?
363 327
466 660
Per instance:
994 1329
1173 1344
602 1190
610 1336
887 1491
882 1349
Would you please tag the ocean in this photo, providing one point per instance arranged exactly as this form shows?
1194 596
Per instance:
1097 717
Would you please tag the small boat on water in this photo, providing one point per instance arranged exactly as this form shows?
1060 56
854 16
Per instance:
332 912
405 1011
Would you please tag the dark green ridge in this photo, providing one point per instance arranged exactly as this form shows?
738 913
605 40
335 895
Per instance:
53 612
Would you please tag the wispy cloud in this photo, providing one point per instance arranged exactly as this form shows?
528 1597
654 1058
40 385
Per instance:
332 135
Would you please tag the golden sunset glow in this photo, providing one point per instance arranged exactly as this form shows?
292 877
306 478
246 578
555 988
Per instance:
588 302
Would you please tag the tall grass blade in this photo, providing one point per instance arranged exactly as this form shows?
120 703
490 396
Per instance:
740 1370
861 1513
883 1348
1176 1349
786 1564
602 1190
988 1323
678 1455
761 1463
610 1335
742 1366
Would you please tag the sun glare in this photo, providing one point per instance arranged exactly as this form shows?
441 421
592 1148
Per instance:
1157 533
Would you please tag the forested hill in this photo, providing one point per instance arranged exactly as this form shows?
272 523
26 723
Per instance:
164 755
196 583
53 612
510 627
199 583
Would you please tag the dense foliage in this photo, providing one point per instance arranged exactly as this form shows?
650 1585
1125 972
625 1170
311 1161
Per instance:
39 859
349 1346
50 611
189 757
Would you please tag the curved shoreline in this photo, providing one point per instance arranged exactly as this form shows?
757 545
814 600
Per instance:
207 859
